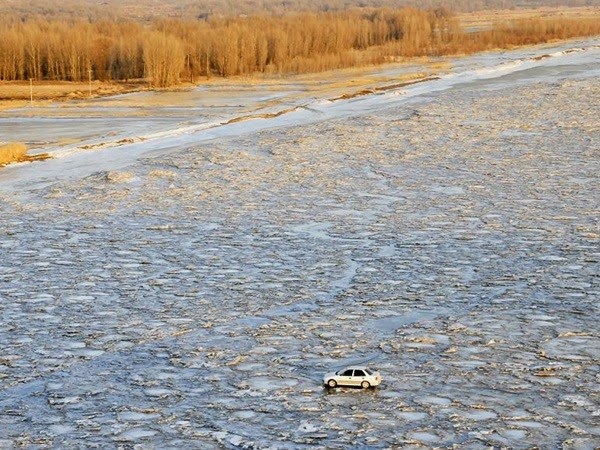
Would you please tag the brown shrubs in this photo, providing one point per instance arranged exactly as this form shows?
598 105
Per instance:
12 152
17 152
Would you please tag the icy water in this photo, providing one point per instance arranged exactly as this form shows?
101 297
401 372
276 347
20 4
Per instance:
189 290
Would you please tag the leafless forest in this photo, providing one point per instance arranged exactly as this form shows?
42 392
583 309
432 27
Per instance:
166 50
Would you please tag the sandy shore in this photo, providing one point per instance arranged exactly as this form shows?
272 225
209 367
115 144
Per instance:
47 95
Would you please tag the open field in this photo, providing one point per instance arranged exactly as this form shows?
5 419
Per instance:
485 19
180 275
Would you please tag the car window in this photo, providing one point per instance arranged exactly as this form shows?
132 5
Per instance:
359 373
369 371
347 373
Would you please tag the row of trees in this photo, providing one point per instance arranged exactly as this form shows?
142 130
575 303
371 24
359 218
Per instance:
168 50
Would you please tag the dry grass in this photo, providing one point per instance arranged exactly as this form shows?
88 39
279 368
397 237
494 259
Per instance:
17 152
12 152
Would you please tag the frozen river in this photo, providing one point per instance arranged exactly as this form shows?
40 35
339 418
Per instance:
182 277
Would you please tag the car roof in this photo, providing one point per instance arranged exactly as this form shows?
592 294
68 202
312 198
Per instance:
356 367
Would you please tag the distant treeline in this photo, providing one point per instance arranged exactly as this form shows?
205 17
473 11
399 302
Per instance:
166 51
147 10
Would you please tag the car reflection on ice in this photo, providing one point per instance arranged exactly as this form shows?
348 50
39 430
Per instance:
353 376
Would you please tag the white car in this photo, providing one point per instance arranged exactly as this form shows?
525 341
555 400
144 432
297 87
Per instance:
353 376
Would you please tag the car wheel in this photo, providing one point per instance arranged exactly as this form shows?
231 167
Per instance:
332 383
365 385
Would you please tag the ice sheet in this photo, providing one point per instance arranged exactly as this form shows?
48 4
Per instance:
190 290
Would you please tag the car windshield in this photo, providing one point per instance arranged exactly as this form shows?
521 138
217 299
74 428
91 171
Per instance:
369 371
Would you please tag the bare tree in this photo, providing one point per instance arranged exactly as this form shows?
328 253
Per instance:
164 58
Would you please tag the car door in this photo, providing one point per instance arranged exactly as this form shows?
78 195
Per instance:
346 378
359 377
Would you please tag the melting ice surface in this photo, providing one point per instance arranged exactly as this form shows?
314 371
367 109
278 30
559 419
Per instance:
111 142
182 277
